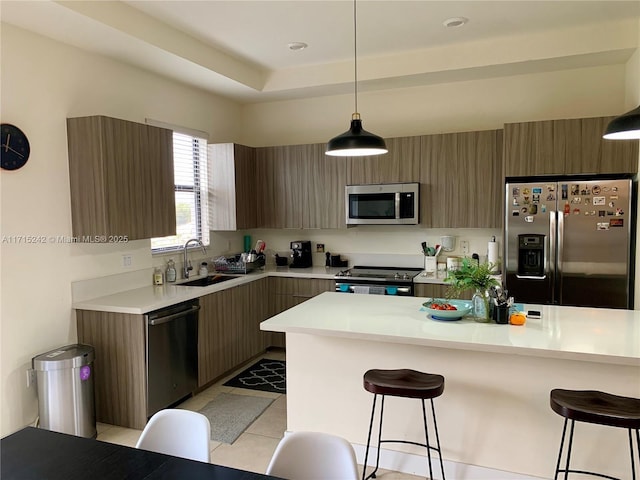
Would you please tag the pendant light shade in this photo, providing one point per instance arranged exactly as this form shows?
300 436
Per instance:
356 142
624 127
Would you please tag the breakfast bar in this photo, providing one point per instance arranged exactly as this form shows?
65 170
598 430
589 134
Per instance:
494 416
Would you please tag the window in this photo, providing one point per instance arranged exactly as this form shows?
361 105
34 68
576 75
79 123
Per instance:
190 178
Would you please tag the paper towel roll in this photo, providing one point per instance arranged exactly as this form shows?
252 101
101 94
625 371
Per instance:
493 254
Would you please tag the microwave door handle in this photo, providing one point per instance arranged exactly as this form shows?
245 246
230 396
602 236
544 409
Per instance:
397 202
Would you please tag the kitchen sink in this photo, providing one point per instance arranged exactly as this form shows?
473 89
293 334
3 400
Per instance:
206 281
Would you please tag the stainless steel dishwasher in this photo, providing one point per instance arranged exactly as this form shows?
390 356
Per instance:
172 354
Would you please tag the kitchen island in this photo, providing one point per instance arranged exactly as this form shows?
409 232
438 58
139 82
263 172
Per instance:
494 415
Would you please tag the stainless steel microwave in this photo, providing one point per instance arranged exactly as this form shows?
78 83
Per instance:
382 204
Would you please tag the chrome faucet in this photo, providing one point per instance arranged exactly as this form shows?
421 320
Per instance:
187 263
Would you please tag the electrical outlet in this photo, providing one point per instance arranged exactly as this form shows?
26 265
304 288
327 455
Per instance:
127 260
464 245
31 377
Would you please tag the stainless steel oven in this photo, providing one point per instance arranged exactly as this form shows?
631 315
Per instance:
377 280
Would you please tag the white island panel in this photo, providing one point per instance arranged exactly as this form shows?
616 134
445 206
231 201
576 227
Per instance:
494 412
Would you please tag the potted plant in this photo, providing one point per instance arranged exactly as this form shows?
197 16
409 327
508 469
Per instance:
475 276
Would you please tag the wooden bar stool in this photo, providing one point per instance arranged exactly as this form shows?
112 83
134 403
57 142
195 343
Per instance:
601 408
403 383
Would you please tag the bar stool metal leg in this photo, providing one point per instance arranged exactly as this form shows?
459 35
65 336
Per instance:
567 468
426 434
564 431
435 427
566 471
366 453
633 466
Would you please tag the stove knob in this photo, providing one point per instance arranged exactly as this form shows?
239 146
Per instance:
405 277
396 276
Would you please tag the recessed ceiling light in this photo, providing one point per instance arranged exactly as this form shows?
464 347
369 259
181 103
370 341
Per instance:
295 46
455 21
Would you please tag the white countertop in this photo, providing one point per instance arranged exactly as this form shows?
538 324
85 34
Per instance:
574 333
432 277
146 299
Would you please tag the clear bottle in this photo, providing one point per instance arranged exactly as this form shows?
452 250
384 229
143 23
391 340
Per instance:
171 271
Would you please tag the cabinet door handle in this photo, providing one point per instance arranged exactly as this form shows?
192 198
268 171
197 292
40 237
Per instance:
303 296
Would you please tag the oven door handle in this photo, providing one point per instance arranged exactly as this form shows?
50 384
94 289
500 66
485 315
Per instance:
349 288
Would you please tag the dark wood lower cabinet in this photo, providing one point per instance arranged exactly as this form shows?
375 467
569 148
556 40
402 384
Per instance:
119 369
228 335
285 293
229 329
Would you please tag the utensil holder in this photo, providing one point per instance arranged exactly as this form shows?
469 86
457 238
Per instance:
430 265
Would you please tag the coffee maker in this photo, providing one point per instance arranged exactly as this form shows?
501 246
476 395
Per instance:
300 254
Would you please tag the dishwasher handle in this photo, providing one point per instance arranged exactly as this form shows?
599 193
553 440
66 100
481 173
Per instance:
168 318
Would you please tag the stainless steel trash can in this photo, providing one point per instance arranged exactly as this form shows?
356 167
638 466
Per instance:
66 400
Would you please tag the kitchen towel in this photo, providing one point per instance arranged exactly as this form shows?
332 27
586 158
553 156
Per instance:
230 414
363 290
493 254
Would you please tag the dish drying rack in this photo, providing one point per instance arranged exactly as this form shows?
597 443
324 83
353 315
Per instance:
236 265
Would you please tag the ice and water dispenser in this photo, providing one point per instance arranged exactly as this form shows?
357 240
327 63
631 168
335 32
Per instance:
531 255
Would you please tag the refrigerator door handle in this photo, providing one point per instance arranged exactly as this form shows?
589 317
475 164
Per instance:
558 258
553 250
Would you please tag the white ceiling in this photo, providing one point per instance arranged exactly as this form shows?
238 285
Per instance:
239 48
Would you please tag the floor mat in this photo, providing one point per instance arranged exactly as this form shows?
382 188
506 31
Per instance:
266 375
231 414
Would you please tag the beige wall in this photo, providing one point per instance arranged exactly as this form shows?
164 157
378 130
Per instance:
43 83
451 107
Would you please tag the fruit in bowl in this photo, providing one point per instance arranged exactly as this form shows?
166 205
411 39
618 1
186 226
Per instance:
447 309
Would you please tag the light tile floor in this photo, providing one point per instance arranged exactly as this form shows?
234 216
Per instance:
253 449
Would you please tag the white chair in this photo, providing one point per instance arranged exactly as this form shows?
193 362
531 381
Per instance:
313 456
181 433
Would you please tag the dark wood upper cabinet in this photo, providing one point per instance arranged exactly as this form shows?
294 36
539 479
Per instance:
461 180
565 147
400 164
121 177
300 187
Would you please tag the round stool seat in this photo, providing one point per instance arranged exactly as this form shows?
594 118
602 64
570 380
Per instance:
592 406
404 383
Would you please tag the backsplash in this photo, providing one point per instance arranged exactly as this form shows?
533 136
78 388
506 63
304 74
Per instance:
388 246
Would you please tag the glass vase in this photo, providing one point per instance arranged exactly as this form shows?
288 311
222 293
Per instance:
480 306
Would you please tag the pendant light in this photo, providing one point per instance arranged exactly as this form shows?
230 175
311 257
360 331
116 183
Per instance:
356 142
624 127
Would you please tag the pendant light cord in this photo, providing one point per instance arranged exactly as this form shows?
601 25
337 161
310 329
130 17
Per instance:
355 55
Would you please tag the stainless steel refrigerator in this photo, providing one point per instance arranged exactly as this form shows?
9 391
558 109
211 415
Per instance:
570 240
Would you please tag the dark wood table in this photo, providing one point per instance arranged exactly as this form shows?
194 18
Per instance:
38 454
